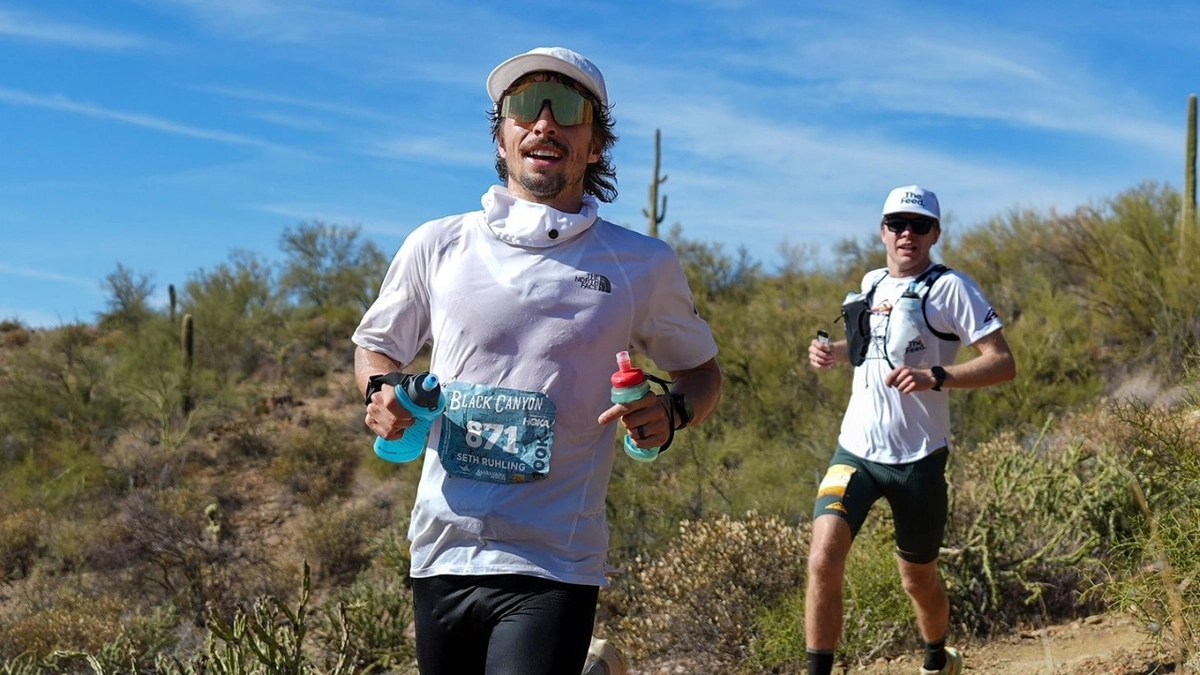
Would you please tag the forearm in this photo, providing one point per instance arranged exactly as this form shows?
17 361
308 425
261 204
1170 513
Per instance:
702 386
840 351
993 365
368 363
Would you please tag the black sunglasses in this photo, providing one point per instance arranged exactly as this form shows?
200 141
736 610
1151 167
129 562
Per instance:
917 225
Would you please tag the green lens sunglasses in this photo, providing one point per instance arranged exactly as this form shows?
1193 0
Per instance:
568 106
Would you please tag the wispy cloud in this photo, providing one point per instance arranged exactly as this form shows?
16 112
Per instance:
43 275
296 122
277 21
333 216
39 29
443 150
60 103
309 104
964 68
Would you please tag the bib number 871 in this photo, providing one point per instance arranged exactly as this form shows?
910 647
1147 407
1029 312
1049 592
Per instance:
487 435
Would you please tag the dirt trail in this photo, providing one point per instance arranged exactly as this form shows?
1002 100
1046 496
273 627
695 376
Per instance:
1100 645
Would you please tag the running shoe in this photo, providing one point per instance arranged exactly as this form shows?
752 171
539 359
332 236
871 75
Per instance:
953 664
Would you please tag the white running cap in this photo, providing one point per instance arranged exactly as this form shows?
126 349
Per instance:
913 199
554 59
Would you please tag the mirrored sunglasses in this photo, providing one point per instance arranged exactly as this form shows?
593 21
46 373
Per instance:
568 106
917 225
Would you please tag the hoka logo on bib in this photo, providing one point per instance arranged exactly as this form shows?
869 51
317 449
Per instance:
594 282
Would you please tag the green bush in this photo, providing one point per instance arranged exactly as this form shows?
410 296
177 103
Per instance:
878 617
1159 454
371 619
1025 534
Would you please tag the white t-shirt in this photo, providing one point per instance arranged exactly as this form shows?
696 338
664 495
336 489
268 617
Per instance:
883 425
523 297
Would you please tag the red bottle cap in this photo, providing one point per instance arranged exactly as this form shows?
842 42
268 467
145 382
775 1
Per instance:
627 375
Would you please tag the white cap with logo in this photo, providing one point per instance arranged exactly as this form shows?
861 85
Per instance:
913 199
554 59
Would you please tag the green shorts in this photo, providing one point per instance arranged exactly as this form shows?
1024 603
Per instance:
915 491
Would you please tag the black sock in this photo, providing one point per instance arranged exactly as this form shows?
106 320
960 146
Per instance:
935 655
820 661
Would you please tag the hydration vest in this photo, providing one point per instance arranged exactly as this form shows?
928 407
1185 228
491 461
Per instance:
856 313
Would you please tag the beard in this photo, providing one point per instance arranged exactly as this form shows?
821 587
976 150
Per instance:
542 185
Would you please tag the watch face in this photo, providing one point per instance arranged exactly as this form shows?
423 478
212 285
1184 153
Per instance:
939 376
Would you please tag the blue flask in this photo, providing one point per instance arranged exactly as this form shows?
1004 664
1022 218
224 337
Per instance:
630 384
421 395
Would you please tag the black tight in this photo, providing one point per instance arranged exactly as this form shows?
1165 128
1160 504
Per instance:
502 625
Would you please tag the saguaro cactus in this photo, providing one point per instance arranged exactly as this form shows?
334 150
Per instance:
187 344
654 213
171 293
1187 222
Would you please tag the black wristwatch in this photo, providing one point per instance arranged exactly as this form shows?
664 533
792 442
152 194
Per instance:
375 382
684 412
939 377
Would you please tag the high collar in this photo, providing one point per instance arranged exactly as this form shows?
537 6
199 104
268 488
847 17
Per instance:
534 225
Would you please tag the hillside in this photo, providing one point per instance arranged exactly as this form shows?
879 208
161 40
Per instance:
164 497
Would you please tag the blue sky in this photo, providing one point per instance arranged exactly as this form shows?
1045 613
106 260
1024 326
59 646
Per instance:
166 134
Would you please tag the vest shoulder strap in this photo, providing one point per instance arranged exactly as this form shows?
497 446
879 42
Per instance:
925 281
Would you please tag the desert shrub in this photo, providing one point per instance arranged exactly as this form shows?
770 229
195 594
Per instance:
336 538
74 622
318 461
1025 532
14 334
1159 452
703 593
237 314
61 477
60 394
371 619
166 543
878 617
246 440
20 543
71 543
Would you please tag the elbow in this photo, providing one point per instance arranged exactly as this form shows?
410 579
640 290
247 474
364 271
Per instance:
1009 371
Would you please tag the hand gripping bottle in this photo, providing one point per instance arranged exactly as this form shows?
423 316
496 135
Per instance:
630 384
906 344
421 395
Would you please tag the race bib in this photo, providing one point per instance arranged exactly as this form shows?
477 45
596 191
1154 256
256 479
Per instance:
496 434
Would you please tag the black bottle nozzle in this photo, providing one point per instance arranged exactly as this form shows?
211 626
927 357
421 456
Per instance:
423 389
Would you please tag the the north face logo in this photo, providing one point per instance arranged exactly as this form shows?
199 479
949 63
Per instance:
594 282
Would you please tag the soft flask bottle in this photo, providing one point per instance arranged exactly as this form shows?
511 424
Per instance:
421 395
629 384
906 332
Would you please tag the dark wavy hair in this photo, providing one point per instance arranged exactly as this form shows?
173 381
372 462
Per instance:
600 179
